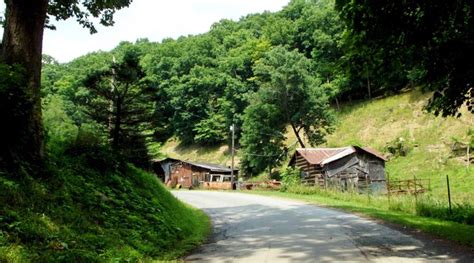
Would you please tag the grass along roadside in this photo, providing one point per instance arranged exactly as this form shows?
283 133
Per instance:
86 214
374 208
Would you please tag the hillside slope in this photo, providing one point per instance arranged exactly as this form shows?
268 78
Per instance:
399 122
92 209
396 121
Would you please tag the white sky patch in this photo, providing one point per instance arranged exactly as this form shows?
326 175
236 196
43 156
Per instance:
150 19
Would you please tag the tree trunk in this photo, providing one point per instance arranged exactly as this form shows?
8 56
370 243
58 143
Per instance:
117 123
22 132
297 136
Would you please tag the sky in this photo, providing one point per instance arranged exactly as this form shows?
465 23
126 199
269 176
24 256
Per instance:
150 19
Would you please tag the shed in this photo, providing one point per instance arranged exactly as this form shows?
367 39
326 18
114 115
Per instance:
345 168
191 174
162 168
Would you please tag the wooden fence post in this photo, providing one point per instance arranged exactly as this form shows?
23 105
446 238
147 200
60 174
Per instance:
388 190
449 194
368 187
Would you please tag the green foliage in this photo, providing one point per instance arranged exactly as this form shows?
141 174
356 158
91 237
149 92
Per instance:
262 138
120 99
392 39
85 213
211 130
82 11
470 134
462 213
60 130
398 147
288 95
290 177
285 81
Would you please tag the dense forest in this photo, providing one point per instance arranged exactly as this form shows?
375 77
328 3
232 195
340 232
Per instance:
262 73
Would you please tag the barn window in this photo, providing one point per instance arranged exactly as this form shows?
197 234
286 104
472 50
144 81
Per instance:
215 178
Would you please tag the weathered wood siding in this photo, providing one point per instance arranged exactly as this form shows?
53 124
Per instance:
187 175
356 172
310 174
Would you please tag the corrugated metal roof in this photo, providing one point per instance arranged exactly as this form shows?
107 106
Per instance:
208 166
318 155
212 167
373 152
322 156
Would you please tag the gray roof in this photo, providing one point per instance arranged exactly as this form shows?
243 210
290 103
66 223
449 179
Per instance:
212 167
208 166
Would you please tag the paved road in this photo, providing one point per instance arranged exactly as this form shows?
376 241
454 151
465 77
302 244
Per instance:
251 228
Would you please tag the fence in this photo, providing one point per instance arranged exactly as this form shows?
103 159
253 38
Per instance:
412 186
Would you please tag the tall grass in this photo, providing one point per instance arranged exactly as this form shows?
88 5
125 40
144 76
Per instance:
423 205
94 209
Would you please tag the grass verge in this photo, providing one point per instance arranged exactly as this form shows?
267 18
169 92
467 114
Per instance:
460 233
91 211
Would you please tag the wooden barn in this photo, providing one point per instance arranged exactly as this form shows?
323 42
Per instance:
162 168
347 168
194 174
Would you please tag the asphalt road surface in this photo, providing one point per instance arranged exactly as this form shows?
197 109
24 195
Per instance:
253 228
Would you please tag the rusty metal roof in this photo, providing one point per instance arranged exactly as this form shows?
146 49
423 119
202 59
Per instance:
373 152
322 156
318 155
208 166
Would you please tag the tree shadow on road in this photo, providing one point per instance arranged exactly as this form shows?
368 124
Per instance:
304 233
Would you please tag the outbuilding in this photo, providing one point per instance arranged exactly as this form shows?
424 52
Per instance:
193 174
346 168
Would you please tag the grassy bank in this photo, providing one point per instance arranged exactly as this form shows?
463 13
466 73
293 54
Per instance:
94 210
399 121
394 211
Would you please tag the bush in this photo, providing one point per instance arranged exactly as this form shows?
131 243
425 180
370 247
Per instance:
398 147
60 130
290 178
90 148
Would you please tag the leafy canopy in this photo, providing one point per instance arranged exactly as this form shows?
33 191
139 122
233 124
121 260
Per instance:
432 40
84 11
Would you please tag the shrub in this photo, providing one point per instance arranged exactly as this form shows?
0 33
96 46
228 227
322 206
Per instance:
290 178
398 147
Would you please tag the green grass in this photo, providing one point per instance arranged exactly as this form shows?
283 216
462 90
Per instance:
85 214
379 208
380 122
219 154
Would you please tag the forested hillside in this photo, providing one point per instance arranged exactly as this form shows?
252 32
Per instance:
263 73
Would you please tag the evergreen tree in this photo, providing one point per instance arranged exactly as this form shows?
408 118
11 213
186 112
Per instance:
121 99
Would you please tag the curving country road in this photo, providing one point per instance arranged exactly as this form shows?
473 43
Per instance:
252 228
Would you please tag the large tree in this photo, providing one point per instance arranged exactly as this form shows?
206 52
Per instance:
288 96
286 81
21 53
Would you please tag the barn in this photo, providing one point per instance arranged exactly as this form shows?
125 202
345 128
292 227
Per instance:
193 174
346 168
162 168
